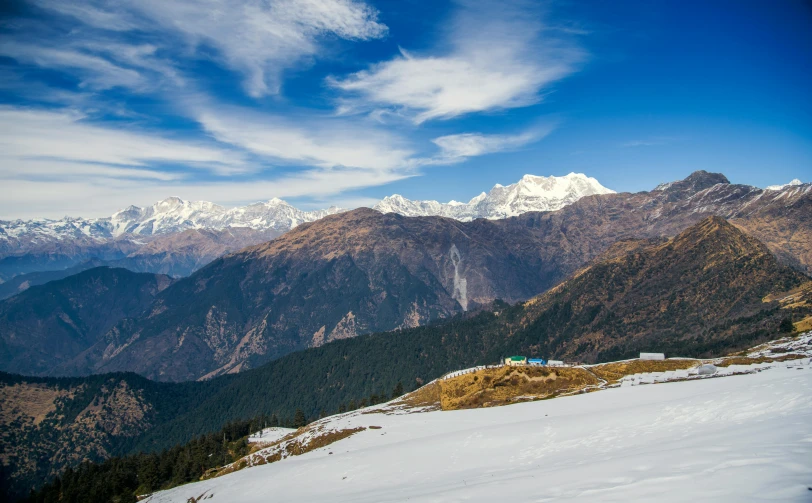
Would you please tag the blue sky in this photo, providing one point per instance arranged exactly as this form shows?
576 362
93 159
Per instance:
105 103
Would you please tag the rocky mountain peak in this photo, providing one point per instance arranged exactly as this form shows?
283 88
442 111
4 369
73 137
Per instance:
695 182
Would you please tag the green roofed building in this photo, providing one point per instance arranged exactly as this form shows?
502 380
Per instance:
515 361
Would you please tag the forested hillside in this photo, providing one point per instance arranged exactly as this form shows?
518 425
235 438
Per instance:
48 325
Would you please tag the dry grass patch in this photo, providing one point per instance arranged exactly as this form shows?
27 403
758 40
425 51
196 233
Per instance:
28 402
505 385
426 397
746 360
614 372
804 325
796 298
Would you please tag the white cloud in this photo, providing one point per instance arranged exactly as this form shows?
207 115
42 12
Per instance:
650 142
497 57
95 72
54 163
257 38
462 146
324 142
60 136
89 197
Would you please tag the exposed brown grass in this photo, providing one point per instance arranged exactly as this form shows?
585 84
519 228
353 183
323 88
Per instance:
501 386
746 360
28 402
613 372
804 325
427 396
796 298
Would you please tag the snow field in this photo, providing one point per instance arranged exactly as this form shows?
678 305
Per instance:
742 438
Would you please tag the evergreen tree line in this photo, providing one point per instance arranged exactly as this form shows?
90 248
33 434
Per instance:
121 479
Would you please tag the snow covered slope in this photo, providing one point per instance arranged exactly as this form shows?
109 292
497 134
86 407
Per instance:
741 438
531 193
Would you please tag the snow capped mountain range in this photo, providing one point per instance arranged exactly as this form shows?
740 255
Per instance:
172 215
531 193
166 217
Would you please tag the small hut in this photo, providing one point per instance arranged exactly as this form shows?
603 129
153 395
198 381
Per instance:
652 356
516 361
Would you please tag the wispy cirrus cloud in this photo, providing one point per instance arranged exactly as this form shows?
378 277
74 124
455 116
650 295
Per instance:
496 56
93 71
88 196
317 141
458 147
257 38
33 138
58 162
649 142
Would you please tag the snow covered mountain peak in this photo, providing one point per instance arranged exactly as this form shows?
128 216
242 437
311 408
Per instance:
173 214
531 193
793 183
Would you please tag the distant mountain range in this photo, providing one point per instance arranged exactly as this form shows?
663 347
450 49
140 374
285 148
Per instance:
145 239
177 237
363 271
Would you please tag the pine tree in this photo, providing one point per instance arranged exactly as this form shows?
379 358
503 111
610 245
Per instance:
398 391
299 419
786 325
274 421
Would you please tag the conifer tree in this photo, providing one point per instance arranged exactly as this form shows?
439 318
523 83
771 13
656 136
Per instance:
398 391
299 419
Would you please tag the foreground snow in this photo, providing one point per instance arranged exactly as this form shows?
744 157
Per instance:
740 438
